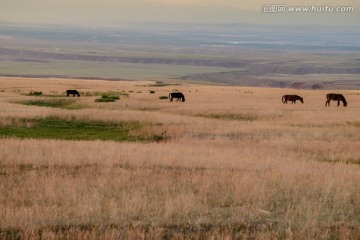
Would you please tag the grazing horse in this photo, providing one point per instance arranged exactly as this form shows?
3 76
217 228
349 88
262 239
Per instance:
336 97
73 92
177 95
292 98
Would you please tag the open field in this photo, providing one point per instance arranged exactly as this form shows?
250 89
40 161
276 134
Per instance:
228 163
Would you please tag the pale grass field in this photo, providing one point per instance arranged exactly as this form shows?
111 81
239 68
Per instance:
265 170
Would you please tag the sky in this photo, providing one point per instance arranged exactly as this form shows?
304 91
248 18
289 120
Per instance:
111 12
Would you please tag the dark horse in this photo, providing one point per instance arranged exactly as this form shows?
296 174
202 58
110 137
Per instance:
177 95
292 98
336 97
73 92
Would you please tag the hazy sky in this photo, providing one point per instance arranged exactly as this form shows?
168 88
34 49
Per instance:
103 12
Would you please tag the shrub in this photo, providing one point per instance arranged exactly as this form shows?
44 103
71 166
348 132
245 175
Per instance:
163 97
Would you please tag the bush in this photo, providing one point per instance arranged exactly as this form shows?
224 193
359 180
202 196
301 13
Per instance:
163 97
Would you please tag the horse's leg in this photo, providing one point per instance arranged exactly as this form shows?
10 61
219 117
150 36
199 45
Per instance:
338 103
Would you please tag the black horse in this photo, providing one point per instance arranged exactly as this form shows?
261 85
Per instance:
292 98
335 97
73 92
177 95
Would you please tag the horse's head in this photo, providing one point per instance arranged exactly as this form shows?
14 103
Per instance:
343 100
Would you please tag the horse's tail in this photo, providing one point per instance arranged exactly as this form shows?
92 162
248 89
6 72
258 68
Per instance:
283 98
170 97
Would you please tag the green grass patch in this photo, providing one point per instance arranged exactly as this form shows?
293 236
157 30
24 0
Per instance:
54 103
354 124
229 116
35 93
108 93
64 129
339 160
107 98
162 84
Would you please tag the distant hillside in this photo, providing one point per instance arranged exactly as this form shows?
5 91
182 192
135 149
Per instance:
248 55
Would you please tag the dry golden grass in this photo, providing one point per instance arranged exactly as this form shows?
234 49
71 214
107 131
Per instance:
237 163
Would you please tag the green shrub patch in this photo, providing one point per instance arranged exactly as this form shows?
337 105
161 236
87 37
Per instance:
230 116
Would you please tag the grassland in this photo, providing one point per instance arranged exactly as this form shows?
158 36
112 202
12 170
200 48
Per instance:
229 163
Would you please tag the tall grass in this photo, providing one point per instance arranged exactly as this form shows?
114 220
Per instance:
290 173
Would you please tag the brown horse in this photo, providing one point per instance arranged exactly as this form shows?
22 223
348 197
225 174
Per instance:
335 97
292 98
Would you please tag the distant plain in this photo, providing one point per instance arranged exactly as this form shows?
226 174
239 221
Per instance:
308 58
